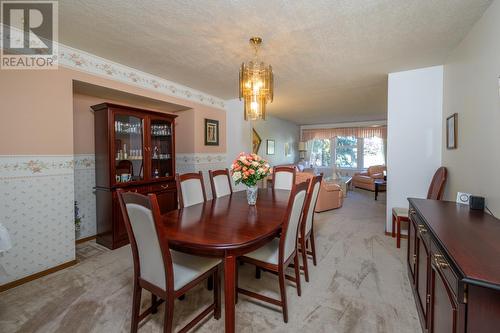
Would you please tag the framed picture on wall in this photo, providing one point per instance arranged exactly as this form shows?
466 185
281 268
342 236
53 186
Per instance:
270 147
451 131
256 140
287 149
211 132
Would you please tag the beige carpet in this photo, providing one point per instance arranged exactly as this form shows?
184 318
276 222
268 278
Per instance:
359 285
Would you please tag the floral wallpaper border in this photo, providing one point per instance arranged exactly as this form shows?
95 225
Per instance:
84 161
86 62
35 165
200 158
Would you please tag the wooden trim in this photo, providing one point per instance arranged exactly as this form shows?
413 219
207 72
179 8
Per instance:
390 234
35 276
86 239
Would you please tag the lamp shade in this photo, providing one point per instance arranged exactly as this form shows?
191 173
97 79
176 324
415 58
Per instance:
302 146
5 243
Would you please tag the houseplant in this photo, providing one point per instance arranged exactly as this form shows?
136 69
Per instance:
248 169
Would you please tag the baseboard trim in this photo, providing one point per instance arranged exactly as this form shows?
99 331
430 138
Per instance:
86 239
390 234
35 276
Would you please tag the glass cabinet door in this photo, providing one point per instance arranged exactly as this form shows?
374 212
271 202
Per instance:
128 148
161 148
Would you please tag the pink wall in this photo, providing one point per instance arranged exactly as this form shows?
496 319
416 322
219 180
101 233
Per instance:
83 122
37 109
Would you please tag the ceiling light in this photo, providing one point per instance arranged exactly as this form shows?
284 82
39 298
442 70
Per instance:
256 84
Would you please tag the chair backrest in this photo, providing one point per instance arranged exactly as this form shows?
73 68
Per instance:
310 205
290 229
152 259
191 189
436 189
283 177
376 169
220 181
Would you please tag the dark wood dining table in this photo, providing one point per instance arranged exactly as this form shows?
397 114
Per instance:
226 227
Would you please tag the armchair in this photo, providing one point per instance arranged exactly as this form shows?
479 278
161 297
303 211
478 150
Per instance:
330 194
366 180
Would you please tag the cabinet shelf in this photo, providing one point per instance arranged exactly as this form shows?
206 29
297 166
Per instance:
129 159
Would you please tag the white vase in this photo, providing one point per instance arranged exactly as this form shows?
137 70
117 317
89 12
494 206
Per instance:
252 192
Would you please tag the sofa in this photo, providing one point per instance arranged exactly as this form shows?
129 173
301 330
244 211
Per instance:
366 180
330 195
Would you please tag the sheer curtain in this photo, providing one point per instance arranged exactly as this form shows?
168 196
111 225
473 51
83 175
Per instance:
358 132
309 135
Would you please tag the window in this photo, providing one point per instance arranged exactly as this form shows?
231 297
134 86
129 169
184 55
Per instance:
320 153
373 152
359 153
350 152
347 152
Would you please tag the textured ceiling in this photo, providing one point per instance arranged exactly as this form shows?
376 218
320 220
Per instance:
330 58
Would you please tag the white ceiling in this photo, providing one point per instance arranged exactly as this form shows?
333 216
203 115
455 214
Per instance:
330 58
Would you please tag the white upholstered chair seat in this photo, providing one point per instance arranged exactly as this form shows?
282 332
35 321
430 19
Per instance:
268 253
188 267
398 211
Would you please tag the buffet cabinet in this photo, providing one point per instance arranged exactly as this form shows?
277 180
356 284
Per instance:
453 261
134 151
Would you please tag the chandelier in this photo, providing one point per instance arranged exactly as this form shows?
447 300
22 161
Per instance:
256 84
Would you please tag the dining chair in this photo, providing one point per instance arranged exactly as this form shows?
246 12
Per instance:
166 273
220 181
307 225
191 189
435 192
283 177
279 253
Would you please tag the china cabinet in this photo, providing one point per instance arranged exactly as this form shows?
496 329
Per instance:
134 151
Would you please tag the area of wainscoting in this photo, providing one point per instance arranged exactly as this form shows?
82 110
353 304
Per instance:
36 207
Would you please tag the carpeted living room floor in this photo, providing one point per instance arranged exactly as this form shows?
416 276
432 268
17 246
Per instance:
359 285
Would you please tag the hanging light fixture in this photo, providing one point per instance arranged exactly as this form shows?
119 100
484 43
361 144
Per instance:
256 84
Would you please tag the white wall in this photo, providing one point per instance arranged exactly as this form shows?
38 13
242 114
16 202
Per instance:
414 134
471 89
281 131
239 134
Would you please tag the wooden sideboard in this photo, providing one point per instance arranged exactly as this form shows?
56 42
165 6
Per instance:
134 151
454 267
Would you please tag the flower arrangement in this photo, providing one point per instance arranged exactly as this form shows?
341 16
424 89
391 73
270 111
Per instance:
249 169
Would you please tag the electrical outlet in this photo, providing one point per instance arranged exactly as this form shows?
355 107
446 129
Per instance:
463 198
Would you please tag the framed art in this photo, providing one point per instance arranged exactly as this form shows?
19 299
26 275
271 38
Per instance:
451 131
211 132
256 141
270 147
287 149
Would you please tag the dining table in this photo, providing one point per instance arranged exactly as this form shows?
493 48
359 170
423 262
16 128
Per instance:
226 227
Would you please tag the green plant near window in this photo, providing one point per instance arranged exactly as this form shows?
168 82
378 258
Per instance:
346 156
321 152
